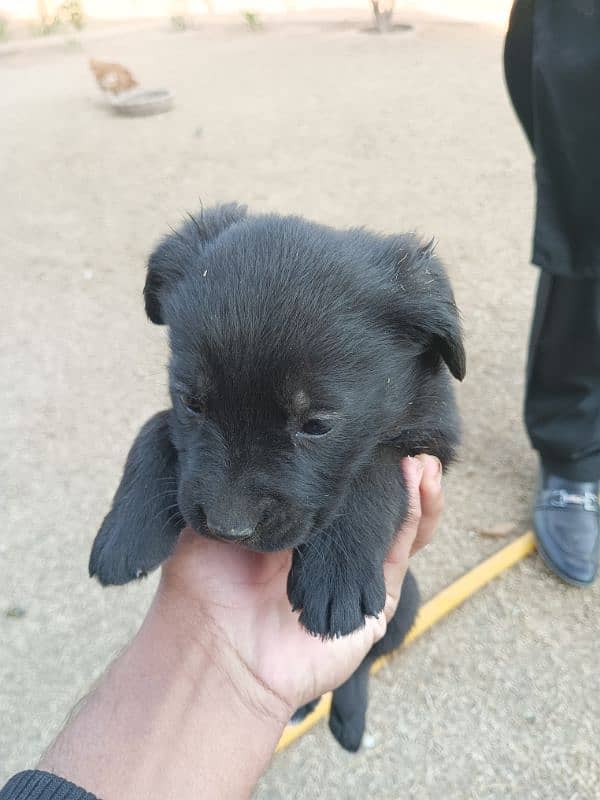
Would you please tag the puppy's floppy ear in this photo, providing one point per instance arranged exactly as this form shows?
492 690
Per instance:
181 252
141 529
425 307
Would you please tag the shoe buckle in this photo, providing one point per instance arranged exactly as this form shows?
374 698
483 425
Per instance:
560 498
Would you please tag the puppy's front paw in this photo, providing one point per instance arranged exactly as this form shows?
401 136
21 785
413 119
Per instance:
337 602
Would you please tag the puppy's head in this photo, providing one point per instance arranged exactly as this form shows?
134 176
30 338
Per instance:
296 351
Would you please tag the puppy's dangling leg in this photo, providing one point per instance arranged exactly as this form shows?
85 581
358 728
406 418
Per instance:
349 705
304 711
349 708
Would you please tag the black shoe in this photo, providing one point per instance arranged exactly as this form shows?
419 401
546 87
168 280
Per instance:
567 527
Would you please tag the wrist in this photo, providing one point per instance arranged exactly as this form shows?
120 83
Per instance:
240 719
171 715
198 642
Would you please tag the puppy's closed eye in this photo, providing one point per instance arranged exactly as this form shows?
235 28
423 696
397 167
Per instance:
315 427
310 419
193 404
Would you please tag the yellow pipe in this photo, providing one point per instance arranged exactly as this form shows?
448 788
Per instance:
431 612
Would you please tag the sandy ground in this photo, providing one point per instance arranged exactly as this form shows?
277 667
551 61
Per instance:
413 131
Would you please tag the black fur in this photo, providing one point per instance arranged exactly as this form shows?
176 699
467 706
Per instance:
349 703
144 522
305 362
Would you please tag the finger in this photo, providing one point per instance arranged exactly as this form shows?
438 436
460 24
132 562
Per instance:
413 469
432 501
396 563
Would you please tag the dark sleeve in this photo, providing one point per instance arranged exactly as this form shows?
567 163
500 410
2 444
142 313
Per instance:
36 785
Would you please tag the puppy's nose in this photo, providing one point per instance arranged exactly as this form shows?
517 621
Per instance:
230 534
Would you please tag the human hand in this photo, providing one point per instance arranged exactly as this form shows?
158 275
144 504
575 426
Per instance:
233 603
196 703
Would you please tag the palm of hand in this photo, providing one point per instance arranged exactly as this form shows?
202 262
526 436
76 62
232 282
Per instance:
240 596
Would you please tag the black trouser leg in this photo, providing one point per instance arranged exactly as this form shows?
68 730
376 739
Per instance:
518 54
562 403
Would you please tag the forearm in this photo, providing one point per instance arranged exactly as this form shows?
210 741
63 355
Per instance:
174 716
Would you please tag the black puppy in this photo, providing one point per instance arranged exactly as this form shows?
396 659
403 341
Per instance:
305 361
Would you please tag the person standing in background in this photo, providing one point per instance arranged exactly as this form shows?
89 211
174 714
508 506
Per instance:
552 68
